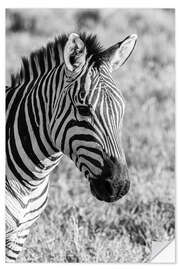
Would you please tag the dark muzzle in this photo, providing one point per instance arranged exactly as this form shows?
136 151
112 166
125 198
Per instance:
113 183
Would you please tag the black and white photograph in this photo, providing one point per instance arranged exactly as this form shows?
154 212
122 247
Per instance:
90 134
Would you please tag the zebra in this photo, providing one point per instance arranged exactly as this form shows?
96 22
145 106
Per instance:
63 101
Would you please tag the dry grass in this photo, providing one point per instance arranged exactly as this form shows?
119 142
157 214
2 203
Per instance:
75 227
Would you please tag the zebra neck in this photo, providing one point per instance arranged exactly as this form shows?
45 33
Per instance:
39 63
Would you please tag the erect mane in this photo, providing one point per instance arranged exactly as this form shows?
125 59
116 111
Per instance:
53 55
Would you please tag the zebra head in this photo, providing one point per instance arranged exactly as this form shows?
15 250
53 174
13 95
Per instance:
93 114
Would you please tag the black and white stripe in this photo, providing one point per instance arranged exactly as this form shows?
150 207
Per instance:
50 112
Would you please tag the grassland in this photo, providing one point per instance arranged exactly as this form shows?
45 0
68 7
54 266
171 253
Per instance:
75 227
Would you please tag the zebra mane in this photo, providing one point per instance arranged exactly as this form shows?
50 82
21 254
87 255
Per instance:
52 54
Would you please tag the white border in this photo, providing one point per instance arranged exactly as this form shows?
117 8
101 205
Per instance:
88 4
82 4
166 254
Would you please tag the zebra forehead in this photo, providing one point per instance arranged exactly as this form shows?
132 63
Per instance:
52 55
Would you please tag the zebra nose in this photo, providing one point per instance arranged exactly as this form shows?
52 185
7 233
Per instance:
113 183
107 191
115 189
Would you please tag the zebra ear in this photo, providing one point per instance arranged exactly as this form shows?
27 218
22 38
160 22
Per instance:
74 52
119 53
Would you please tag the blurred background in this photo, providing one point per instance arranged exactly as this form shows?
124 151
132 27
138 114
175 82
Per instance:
75 227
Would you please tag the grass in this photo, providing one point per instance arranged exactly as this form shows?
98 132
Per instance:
75 227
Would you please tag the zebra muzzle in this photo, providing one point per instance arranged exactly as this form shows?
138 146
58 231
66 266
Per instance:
107 191
113 183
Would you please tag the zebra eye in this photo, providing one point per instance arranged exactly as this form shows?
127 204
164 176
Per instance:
84 110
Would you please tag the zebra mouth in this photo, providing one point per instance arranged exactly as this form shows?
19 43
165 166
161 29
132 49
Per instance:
94 193
105 192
